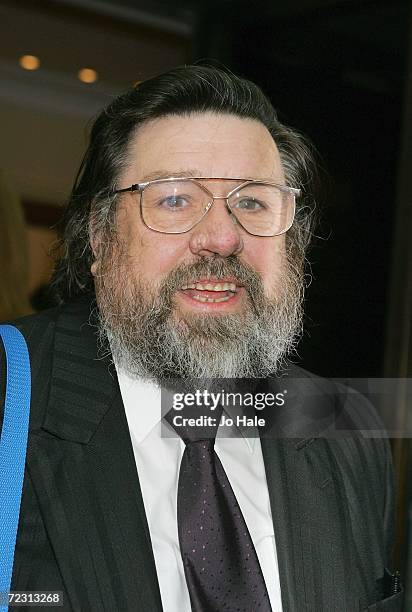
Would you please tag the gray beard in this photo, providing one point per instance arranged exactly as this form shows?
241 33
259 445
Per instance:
148 341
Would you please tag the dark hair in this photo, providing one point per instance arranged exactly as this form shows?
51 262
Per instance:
184 90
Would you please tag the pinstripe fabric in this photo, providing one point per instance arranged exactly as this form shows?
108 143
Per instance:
83 528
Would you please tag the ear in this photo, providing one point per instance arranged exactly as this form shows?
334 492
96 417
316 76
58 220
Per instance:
94 243
94 267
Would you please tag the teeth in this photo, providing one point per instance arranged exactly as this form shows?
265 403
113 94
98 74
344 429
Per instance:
211 287
229 287
201 298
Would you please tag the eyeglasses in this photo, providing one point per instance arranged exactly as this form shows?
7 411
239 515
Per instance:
176 205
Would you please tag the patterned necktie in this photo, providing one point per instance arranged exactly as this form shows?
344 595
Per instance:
220 562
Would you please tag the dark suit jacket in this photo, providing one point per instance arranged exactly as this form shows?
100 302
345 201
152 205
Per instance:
83 528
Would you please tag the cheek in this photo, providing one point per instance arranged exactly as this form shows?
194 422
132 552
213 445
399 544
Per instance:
266 256
151 253
128 230
156 255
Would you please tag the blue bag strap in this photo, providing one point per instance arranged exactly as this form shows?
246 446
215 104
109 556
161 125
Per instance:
13 446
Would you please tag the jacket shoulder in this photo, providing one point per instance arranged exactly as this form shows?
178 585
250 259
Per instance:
39 331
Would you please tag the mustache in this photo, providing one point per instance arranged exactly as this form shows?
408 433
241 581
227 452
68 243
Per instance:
216 267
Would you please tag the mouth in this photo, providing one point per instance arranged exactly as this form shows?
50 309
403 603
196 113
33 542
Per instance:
211 291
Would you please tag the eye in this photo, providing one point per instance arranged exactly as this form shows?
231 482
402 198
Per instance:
250 204
174 202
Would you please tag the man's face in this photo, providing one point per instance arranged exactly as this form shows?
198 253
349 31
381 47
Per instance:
207 145
216 251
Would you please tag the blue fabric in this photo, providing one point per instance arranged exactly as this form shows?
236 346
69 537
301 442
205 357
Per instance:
13 446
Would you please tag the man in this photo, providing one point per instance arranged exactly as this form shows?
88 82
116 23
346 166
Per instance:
183 259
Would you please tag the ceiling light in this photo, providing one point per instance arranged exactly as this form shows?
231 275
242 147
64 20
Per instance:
87 75
29 62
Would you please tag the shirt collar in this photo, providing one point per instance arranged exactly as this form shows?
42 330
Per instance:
141 401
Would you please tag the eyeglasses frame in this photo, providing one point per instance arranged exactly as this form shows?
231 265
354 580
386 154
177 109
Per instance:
140 187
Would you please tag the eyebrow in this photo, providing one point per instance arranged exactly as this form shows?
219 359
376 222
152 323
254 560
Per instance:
161 174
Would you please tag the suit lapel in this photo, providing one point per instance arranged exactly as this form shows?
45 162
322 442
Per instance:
84 473
314 539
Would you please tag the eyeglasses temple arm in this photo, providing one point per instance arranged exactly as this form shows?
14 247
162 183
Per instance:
135 187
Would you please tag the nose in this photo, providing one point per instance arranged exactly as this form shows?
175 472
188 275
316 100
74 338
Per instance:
217 233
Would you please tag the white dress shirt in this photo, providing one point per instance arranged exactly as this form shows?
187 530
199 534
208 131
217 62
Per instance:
158 462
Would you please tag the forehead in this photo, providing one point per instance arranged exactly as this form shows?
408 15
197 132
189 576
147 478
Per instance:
203 144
